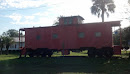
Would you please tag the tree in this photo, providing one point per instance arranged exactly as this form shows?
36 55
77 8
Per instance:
7 41
100 7
125 37
56 22
1 44
11 33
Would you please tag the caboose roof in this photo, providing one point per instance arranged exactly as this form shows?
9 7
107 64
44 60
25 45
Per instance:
74 17
112 23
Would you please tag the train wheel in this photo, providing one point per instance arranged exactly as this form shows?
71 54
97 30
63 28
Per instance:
37 55
99 53
43 55
109 52
49 55
31 55
91 53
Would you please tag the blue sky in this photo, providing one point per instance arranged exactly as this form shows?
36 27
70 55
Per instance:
15 14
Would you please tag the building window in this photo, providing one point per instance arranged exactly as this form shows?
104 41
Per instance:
81 35
38 37
98 34
12 46
54 36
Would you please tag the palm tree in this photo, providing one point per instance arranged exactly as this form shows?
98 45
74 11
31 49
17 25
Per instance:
7 41
100 7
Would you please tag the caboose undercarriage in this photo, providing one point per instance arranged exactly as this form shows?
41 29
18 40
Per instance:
92 52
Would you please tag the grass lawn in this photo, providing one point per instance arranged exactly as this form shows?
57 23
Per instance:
75 63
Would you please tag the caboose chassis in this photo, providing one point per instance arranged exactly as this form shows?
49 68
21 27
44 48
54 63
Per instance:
92 52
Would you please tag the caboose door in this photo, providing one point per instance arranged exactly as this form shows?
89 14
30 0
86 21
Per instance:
68 37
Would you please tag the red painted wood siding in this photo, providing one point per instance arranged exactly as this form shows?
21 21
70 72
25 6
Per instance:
68 36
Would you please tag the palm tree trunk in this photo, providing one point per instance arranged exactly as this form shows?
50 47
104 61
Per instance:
103 7
103 16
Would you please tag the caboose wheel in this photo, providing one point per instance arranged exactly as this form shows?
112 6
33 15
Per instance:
49 55
108 52
99 53
31 55
91 53
43 55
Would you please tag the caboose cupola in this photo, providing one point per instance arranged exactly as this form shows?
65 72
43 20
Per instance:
71 20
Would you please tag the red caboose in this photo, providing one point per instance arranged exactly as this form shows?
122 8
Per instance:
72 34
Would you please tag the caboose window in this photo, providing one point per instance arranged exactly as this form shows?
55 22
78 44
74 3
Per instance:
54 36
70 21
81 35
65 21
98 34
38 37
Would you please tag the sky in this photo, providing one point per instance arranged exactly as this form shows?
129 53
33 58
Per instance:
16 14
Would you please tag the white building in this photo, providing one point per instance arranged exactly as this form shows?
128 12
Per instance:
15 45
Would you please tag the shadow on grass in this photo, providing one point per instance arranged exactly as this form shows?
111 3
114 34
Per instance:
64 65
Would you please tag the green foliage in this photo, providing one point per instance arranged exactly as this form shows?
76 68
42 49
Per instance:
11 33
125 36
56 22
7 38
7 41
100 7
1 44
116 38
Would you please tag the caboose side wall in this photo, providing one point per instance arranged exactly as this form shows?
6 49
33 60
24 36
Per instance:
91 41
68 36
37 38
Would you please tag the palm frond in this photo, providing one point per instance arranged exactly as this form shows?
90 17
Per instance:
107 14
102 5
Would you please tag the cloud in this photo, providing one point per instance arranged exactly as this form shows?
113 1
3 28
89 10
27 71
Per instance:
29 17
26 3
21 3
41 22
20 19
45 13
15 17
